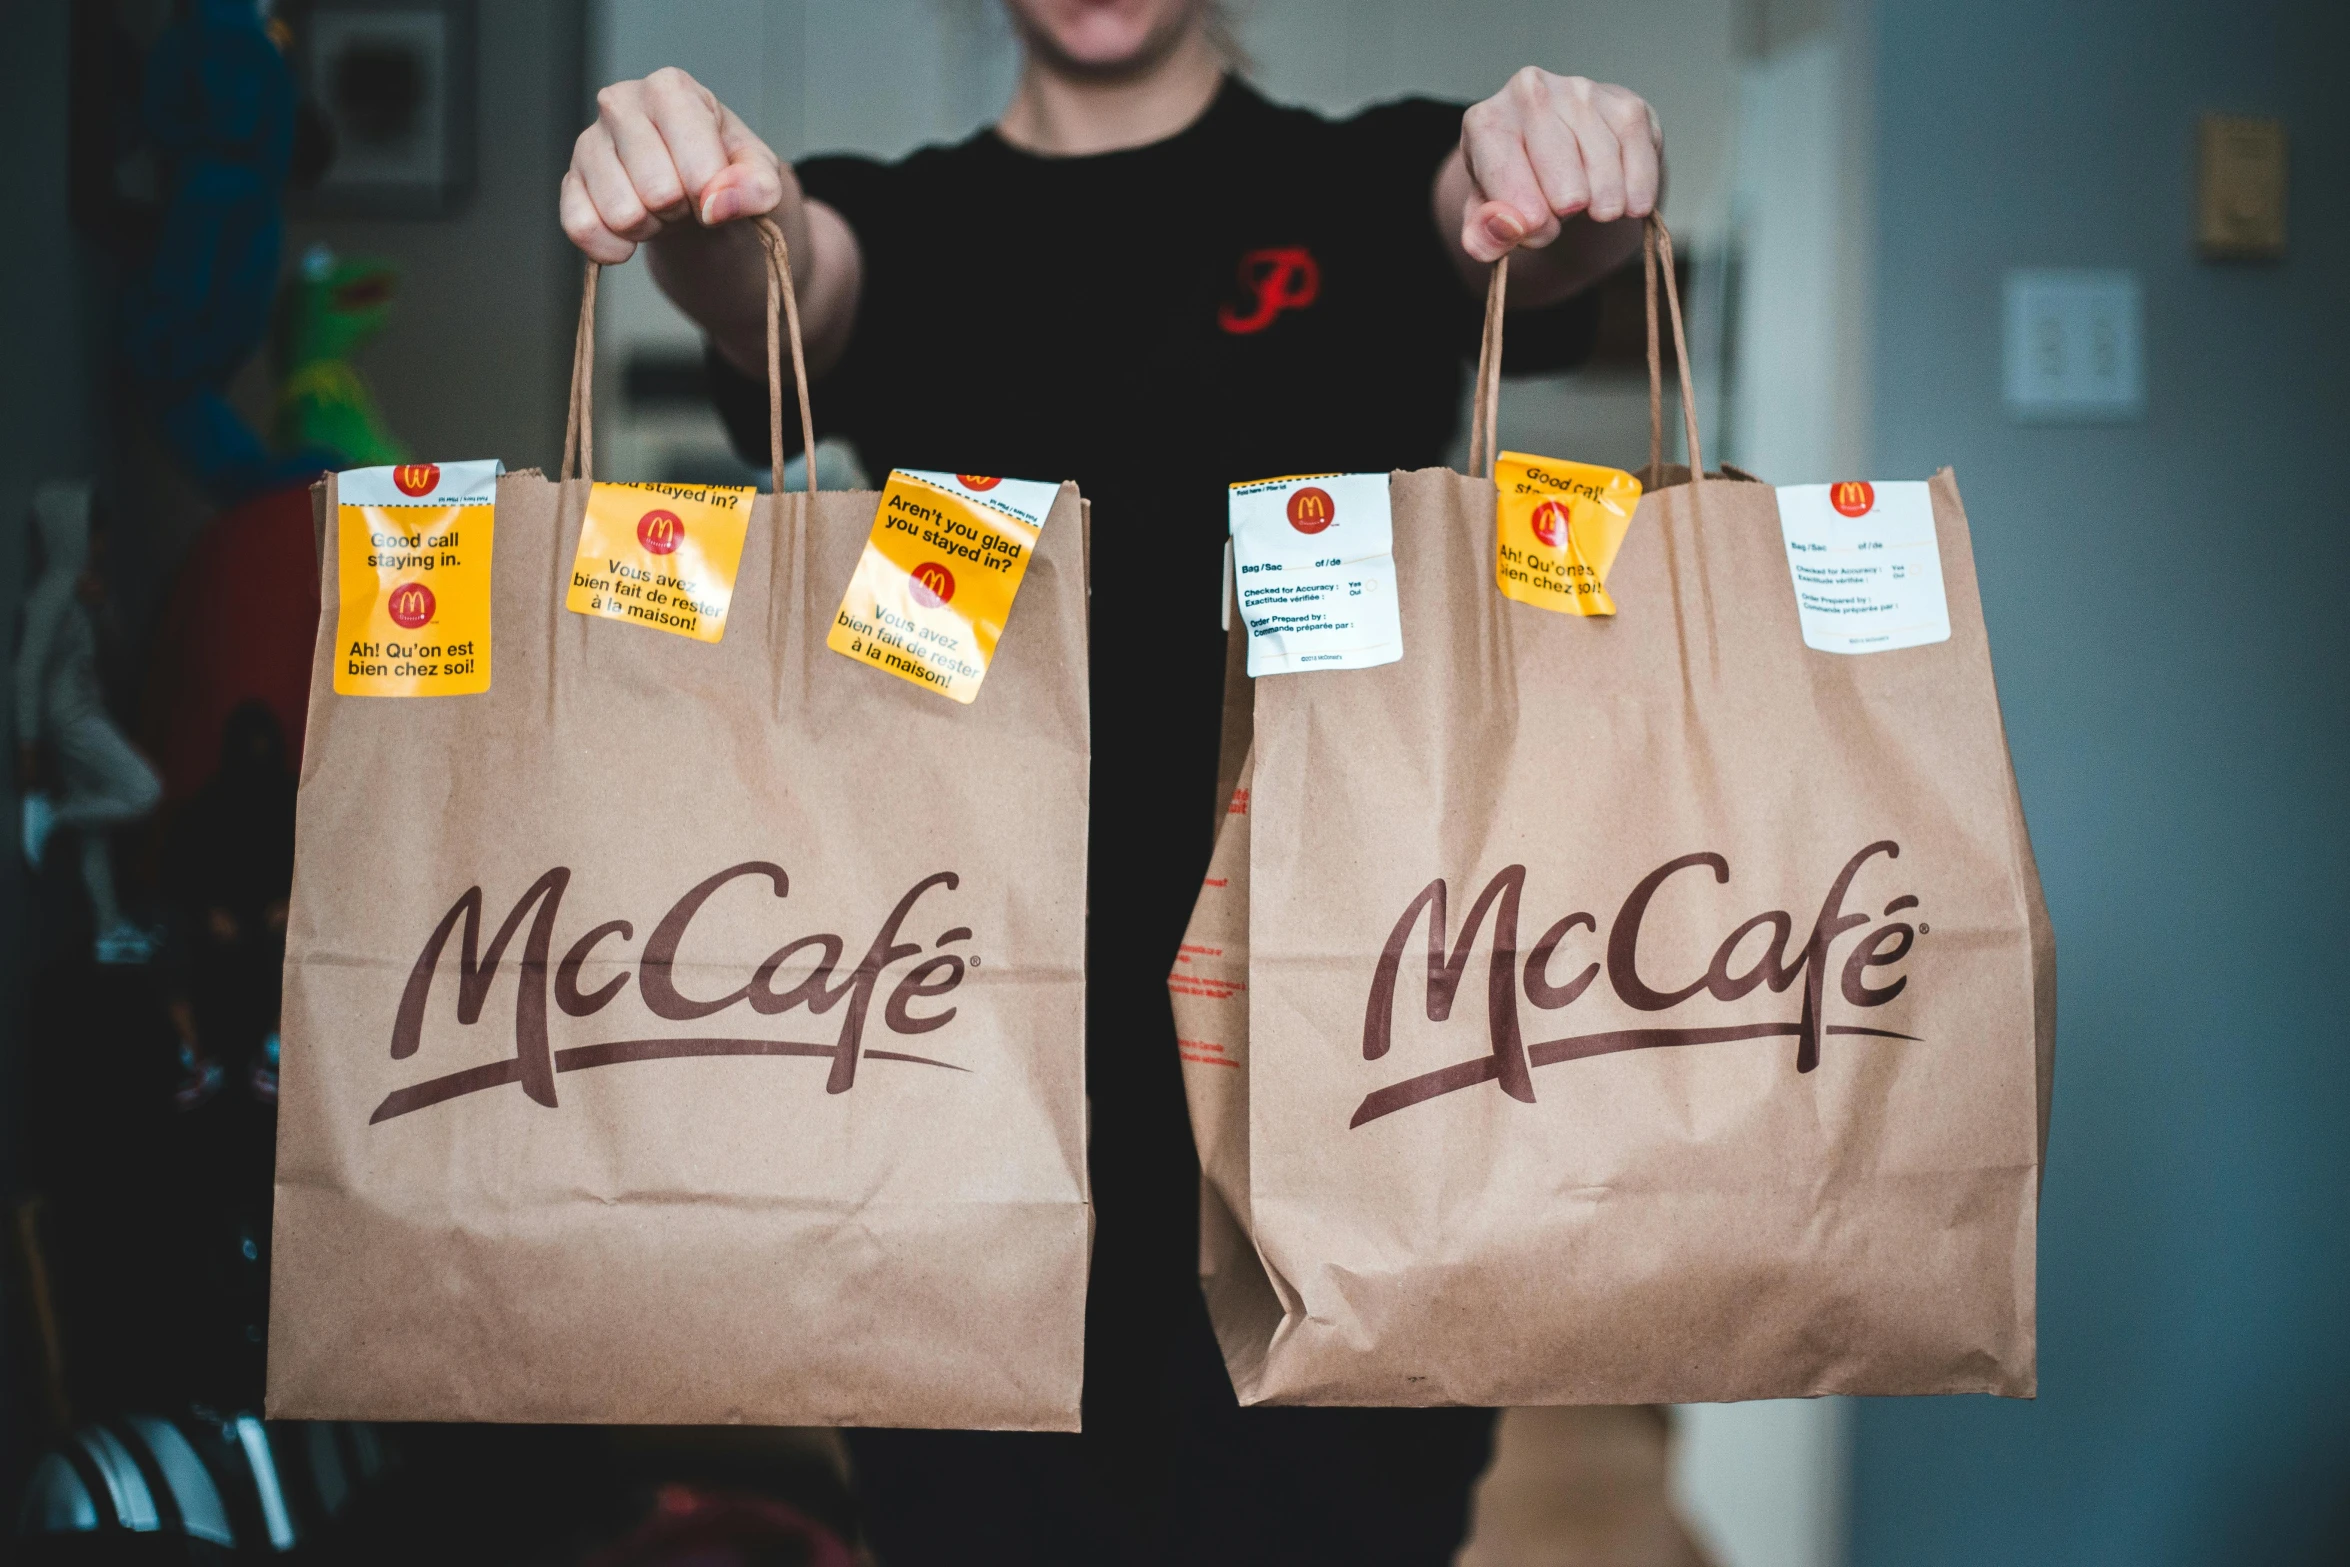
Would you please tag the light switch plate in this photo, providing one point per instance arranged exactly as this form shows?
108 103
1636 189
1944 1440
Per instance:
2073 351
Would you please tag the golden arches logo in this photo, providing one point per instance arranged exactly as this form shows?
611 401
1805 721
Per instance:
1311 509
416 478
977 481
660 532
1549 523
410 605
932 584
1852 497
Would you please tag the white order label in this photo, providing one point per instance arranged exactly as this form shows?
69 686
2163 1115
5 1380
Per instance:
1313 556
421 484
1026 499
1868 573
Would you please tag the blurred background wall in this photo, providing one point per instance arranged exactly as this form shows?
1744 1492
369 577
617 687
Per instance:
479 357
2165 599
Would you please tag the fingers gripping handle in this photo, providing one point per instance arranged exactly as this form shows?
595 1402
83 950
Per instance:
783 322
1485 407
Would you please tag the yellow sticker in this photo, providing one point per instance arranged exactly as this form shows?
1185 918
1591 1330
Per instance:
413 545
661 555
934 587
1557 530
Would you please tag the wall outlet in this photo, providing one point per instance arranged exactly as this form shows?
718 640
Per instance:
2073 347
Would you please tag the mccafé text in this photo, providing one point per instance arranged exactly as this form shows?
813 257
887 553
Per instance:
911 1004
1756 954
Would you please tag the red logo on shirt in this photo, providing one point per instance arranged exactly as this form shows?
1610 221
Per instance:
1286 277
1550 523
1853 497
931 584
1311 509
660 532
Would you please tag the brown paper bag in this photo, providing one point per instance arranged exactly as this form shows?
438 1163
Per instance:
1646 1009
567 1133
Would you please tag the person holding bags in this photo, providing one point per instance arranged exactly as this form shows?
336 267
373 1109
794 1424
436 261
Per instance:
1147 278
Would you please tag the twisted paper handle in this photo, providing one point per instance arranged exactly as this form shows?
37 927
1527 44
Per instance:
783 319
1485 407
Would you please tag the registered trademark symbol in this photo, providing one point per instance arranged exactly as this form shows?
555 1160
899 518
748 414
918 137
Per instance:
975 960
1924 929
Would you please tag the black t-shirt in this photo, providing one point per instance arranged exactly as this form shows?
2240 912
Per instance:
1264 293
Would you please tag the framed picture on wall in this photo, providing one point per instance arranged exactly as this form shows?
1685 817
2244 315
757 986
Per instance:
394 82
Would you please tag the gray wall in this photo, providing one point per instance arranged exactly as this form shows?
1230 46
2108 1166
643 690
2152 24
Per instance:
2166 604
475 360
47 308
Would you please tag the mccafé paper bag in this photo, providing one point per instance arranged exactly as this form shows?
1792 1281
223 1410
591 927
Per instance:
1647 1008
689 1027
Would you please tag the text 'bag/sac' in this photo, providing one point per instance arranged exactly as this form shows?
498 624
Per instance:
1632 1008
689 1026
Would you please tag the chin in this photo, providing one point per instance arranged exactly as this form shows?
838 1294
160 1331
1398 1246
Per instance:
1102 37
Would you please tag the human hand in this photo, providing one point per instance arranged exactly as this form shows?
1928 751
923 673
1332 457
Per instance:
1546 148
663 152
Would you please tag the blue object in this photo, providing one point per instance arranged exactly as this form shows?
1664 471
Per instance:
219 111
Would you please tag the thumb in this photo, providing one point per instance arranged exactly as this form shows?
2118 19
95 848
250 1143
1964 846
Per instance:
746 188
1491 229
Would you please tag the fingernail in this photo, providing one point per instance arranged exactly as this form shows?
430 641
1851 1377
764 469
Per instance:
1502 231
714 208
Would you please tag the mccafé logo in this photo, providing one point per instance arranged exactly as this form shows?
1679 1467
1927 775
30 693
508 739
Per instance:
410 605
540 977
1550 523
660 532
1740 966
1311 509
932 583
975 481
416 478
1853 497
